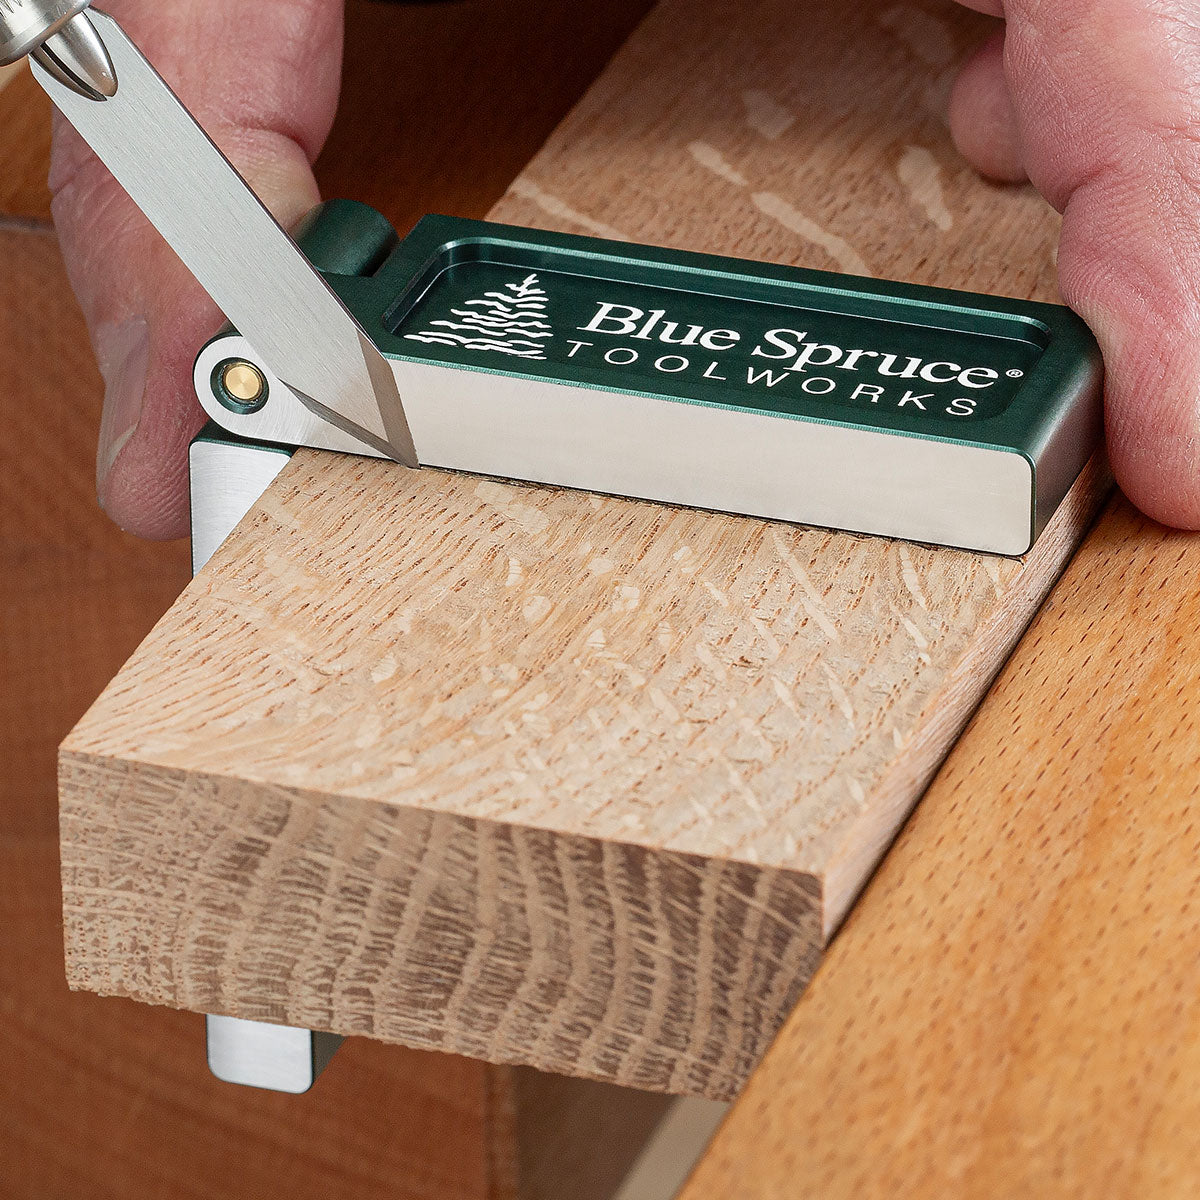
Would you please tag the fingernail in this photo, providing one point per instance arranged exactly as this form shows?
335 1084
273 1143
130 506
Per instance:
123 354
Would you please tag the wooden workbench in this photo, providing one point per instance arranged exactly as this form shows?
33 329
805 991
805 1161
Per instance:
1013 1009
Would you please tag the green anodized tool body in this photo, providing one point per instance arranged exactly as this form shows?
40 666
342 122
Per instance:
776 392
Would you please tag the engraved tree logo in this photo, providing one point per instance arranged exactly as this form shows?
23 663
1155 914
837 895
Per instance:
512 321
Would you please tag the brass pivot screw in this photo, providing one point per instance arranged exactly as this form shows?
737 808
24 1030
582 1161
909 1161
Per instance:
240 386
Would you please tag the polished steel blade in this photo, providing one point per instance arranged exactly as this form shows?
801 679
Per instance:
225 236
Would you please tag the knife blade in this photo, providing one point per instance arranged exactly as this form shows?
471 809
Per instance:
240 254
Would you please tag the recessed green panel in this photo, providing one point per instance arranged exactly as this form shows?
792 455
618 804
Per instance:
796 359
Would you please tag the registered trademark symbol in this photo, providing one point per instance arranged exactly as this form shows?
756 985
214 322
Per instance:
1015 374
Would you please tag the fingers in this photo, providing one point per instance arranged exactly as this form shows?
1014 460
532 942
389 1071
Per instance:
982 120
1099 102
263 81
1107 101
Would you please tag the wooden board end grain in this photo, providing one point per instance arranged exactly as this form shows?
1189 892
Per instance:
560 779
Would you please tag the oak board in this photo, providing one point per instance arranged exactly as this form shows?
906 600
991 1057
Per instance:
557 779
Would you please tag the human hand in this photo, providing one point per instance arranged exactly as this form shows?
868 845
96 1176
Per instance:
1097 102
263 79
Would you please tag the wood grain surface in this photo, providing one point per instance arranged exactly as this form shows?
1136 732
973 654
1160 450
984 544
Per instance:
105 1098
1013 1009
557 779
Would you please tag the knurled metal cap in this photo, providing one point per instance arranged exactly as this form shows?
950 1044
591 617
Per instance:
26 24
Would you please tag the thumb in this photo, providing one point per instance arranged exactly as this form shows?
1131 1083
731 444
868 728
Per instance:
1103 98
263 80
